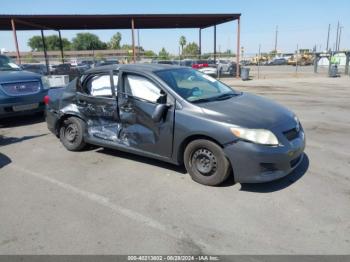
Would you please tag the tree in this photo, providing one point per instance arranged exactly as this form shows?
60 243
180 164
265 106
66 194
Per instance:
150 53
52 43
163 54
88 41
114 43
126 47
191 49
36 43
182 42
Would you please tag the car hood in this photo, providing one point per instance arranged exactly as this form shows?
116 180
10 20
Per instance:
10 76
247 110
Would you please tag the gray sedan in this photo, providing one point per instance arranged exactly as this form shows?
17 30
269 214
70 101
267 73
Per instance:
179 115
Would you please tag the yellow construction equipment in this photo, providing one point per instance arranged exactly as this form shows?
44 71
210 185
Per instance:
303 59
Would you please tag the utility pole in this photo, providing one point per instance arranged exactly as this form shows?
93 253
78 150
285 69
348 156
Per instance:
276 36
296 60
329 30
340 29
336 40
259 61
138 44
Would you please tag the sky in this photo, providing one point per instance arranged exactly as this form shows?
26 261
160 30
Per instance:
300 22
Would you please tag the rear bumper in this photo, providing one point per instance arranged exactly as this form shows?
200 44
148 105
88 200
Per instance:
51 118
252 163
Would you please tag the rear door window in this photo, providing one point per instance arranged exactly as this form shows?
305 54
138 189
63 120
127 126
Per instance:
100 85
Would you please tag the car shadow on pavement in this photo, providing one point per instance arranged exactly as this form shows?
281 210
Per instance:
4 160
22 120
4 141
145 160
279 184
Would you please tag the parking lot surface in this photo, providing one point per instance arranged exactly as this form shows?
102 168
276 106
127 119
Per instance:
101 201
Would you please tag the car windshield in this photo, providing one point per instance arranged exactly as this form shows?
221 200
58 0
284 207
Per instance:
7 65
195 86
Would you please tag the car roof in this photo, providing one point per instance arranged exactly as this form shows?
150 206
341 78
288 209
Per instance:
132 67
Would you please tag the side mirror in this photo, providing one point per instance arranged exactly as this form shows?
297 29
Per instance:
159 112
162 98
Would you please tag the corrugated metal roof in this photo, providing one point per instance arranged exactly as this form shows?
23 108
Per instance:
113 21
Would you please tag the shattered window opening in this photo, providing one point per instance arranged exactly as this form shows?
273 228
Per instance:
100 85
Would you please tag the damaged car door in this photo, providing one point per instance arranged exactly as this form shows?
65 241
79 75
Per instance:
146 114
97 102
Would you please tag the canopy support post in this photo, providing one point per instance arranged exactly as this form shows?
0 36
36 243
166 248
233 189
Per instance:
133 40
200 43
45 53
347 63
238 45
214 44
16 41
61 46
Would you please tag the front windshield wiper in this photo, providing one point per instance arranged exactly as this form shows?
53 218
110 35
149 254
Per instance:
9 69
224 96
216 98
202 100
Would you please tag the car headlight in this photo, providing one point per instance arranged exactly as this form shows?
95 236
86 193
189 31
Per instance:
258 136
45 82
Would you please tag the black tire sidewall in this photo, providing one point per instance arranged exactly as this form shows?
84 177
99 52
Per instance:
223 167
79 143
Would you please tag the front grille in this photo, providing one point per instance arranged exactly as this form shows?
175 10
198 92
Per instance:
291 134
21 88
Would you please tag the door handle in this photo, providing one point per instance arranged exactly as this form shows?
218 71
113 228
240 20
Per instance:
126 108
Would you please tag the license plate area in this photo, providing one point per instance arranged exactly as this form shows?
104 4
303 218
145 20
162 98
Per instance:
25 107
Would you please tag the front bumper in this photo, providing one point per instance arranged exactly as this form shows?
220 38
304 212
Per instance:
252 163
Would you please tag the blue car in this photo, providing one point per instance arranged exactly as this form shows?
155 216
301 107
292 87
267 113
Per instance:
21 92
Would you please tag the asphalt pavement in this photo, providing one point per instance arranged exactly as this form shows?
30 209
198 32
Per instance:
101 201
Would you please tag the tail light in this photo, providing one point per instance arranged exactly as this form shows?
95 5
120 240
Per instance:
196 66
46 100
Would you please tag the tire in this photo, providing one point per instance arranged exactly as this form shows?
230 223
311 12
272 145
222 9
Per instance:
206 163
71 134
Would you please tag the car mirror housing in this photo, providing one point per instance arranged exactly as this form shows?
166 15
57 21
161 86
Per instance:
159 112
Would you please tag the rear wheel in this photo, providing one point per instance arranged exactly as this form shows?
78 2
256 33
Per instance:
71 134
205 161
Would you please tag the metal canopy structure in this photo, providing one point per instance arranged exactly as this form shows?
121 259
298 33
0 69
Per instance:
117 21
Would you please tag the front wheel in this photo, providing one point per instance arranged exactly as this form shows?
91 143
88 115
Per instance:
205 161
71 134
